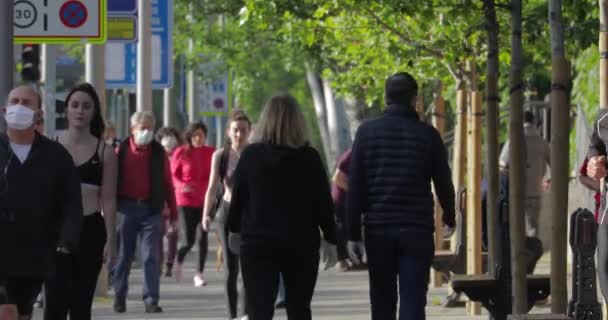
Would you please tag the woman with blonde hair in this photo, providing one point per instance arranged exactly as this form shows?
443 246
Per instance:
280 200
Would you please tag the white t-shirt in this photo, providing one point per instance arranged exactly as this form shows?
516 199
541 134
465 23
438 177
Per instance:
21 151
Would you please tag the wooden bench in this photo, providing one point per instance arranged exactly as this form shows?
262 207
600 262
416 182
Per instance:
451 262
494 291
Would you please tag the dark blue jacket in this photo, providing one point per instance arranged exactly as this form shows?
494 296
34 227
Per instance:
394 159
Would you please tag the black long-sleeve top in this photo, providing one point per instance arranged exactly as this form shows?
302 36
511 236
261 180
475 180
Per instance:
281 198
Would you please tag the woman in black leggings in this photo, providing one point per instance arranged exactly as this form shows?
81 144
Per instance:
222 170
71 287
190 167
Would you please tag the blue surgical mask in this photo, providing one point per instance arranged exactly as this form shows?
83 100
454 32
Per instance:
143 137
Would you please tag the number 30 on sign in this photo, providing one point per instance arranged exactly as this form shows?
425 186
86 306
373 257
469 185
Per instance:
59 21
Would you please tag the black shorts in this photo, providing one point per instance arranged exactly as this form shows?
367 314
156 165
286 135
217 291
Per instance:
20 291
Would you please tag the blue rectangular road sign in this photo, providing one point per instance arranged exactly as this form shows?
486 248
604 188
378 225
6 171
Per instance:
126 7
162 53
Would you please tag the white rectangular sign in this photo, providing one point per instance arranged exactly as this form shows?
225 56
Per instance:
213 95
57 21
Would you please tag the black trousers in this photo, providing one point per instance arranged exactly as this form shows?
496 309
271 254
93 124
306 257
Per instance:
231 274
261 270
341 233
190 223
71 287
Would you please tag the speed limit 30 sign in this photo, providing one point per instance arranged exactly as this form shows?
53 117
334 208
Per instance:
59 21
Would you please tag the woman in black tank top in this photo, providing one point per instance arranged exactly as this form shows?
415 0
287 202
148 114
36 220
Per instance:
71 288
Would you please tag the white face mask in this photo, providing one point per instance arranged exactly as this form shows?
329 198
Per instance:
143 137
169 142
19 117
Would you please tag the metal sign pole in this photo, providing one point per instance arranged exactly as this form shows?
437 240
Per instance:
6 54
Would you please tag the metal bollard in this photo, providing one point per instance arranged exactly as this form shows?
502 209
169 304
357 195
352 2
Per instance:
583 240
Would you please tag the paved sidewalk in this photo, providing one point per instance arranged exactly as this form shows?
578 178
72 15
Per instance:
341 296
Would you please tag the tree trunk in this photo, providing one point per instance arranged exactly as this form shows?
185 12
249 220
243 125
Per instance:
332 122
492 100
314 82
560 122
460 150
337 124
474 191
353 108
439 124
344 125
603 53
516 165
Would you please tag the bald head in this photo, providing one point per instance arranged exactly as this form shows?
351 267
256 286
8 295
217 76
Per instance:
26 96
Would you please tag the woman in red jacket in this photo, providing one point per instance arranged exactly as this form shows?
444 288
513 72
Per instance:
191 165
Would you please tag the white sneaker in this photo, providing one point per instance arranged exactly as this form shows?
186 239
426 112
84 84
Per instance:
245 318
199 281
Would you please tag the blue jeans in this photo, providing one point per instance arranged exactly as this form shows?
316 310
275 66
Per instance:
136 218
398 256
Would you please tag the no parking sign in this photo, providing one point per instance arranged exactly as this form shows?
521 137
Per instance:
59 21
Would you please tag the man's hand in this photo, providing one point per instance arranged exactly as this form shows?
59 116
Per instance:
206 222
329 254
172 227
109 257
596 168
186 188
356 252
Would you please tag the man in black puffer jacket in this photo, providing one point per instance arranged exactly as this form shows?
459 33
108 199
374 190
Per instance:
394 159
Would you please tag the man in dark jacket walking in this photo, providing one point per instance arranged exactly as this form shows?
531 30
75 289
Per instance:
40 205
393 162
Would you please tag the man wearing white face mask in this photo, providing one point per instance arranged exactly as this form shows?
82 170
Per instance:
40 205
144 187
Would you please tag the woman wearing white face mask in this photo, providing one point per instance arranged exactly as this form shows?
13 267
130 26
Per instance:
170 139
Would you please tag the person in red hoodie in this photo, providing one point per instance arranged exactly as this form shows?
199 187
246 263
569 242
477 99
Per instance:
191 166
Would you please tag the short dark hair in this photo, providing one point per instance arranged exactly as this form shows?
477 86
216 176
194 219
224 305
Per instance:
528 117
239 115
97 123
169 132
192 128
400 88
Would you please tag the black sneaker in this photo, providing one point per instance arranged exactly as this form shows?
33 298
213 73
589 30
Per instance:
169 270
153 308
120 307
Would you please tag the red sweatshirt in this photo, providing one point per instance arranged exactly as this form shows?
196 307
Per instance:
191 168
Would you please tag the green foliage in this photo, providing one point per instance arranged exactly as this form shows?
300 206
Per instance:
358 43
